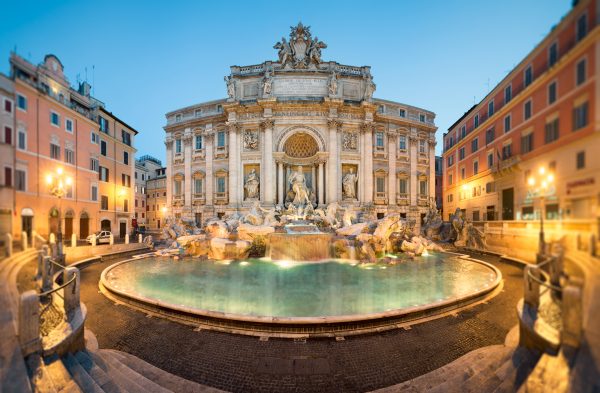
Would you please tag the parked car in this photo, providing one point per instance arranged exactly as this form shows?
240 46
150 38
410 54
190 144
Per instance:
101 237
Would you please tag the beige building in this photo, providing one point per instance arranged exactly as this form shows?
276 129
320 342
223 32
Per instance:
146 168
7 153
299 113
156 197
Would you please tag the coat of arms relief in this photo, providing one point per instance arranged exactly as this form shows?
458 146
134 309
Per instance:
302 51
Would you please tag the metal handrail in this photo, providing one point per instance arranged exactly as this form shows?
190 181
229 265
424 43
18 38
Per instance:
544 283
50 291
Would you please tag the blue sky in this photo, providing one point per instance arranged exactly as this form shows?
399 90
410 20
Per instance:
152 57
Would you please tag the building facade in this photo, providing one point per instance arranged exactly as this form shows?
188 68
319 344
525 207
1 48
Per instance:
299 114
542 117
146 168
439 183
156 197
7 154
56 127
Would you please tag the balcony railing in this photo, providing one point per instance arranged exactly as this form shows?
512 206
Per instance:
221 152
199 198
380 198
221 198
402 199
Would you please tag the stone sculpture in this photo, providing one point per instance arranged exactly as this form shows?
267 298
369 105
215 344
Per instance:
432 223
266 84
251 185
369 88
333 85
301 51
350 141
349 184
301 192
230 86
250 140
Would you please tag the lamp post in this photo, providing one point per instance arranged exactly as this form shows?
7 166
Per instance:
58 184
539 183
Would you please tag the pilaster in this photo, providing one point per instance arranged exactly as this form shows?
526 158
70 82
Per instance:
169 171
209 138
268 181
333 180
367 130
234 158
187 181
391 169
413 166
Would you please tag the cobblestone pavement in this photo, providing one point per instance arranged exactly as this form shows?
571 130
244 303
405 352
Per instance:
246 364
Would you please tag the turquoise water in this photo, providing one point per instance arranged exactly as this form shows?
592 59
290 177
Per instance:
290 289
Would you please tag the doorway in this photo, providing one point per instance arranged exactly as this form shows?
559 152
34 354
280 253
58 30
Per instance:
122 229
27 221
84 226
105 225
508 204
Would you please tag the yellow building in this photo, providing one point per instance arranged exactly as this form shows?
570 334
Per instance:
156 199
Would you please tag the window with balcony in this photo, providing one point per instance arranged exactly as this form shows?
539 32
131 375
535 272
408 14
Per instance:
103 148
402 142
104 202
54 151
104 174
103 124
507 151
552 131
198 142
580 116
527 143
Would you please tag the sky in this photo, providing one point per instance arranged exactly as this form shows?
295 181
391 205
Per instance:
146 58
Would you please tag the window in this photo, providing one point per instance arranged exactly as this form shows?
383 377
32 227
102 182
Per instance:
22 102
507 94
552 131
104 174
490 160
70 156
94 164
422 146
54 151
423 187
476 121
177 187
422 118
527 143
20 180
198 142
125 180
450 197
402 113
125 158
103 124
177 117
527 110
8 135
94 193
54 119
528 76
125 205
461 153
450 179
220 184
552 54
404 186
475 167
506 151
104 202
197 186
507 124
380 184
490 108
136 205
103 148
580 116
379 141
7 176
69 191
402 141
490 136
177 145
474 145
8 106
463 132
581 160
198 113
69 125
463 173
126 137
95 137
221 139
489 187
143 177
552 92
581 74
450 160
581 27
22 140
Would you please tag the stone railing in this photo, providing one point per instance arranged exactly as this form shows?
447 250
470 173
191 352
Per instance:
198 198
221 198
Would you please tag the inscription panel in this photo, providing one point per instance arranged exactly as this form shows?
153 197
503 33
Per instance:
300 87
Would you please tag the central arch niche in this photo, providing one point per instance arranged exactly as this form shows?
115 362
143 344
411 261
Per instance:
300 145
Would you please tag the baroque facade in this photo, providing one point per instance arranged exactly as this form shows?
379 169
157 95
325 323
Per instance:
299 116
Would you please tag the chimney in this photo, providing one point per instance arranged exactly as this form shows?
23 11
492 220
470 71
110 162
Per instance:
84 89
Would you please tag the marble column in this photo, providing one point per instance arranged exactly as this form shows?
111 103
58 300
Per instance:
210 181
413 168
313 182
392 169
280 179
233 165
169 172
333 179
187 181
321 183
268 182
368 153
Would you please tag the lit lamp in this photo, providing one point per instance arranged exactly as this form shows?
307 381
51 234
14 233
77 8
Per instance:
540 183
58 184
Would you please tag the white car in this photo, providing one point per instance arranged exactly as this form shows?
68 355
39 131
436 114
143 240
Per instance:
101 237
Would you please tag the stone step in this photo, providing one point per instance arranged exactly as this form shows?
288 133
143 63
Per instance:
125 377
511 374
97 372
60 377
78 373
159 376
40 377
551 373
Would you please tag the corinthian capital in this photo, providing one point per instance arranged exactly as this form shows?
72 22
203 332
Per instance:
366 127
334 123
232 126
267 123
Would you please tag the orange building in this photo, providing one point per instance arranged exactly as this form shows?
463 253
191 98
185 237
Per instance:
543 114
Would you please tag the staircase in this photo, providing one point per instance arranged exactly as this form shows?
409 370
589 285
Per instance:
104 370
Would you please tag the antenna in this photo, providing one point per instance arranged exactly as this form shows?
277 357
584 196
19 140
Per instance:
93 80
86 79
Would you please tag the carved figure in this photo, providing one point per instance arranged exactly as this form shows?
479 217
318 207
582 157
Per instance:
266 84
350 141
349 184
251 185
333 84
285 51
250 140
314 51
369 88
302 50
301 192
230 86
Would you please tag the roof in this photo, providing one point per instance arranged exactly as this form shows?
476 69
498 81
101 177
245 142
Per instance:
119 120
463 116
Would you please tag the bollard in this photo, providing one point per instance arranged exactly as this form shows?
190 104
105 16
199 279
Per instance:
94 240
112 239
556 267
127 238
9 245
52 238
71 292
572 313
73 240
140 238
33 239
532 287
46 273
24 240
46 250
40 265
593 245
29 322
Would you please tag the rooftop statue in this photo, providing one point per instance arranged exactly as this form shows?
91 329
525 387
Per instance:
302 50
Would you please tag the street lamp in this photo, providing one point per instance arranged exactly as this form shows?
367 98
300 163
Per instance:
59 184
540 183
